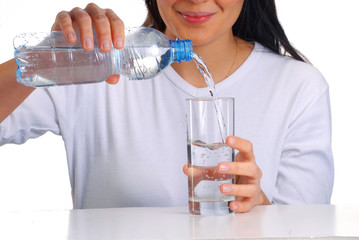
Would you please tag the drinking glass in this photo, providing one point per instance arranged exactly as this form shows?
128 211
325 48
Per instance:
209 122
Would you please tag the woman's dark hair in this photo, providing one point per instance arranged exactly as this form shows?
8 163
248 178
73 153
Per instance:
258 22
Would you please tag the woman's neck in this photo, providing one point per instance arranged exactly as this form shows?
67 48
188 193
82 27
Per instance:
222 57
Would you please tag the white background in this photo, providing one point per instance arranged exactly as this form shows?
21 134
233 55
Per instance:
34 176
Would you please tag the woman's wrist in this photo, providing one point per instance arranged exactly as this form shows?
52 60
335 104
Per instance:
12 94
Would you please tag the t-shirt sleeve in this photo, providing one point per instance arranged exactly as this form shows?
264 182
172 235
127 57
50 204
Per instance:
34 117
306 170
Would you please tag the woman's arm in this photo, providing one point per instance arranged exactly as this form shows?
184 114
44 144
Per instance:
12 93
109 28
306 171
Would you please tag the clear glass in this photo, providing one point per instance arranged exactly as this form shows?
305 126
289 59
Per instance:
207 118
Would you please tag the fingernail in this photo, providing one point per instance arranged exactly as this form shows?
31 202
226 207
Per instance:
231 140
106 45
119 43
224 167
71 36
235 207
226 188
88 43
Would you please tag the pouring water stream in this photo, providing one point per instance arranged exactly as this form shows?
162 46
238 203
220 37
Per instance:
212 90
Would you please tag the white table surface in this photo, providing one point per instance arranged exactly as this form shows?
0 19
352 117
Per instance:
273 222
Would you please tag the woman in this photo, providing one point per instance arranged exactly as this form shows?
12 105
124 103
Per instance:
126 143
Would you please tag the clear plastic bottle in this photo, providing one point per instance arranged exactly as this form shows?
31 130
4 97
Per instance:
49 60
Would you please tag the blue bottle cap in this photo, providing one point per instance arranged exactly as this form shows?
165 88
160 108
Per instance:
183 49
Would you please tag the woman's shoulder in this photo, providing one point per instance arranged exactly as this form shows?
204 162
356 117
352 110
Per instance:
272 59
287 69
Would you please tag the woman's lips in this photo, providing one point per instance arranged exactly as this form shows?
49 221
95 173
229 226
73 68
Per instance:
196 17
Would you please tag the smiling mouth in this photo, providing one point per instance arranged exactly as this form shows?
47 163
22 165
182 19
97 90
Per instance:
196 17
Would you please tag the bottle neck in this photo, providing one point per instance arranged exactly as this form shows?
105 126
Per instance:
182 50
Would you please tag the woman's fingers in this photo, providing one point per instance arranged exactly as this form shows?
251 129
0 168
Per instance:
64 23
241 207
117 29
240 190
244 147
84 25
68 22
247 189
113 79
110 29
248 169
102 26
244 204
206 173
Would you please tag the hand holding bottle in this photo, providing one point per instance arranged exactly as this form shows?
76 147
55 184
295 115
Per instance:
63 58
109 28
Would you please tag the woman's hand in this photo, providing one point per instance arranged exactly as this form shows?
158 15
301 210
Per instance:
109 27
247 188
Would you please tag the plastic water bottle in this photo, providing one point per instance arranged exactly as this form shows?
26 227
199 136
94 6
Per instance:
49 60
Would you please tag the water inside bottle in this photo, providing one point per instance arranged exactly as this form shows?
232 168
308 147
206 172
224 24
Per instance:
50 66
212 91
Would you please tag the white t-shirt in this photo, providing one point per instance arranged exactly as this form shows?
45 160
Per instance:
126 143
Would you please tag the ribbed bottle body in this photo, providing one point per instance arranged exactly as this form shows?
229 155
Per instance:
49 60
